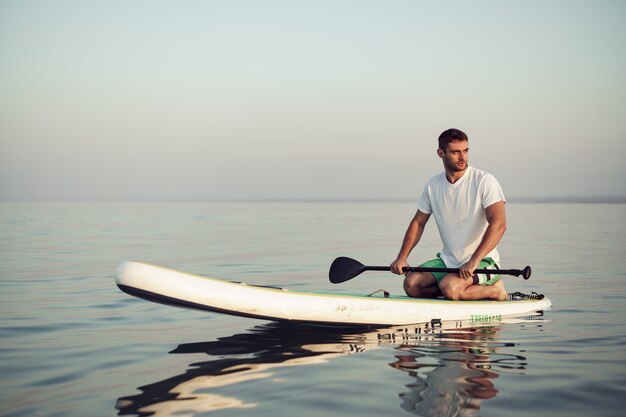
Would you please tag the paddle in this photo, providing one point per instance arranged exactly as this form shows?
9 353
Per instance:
344 269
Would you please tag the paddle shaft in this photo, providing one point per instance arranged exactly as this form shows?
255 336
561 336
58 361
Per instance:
515 272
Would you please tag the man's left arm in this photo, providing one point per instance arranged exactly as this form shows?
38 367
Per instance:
496 217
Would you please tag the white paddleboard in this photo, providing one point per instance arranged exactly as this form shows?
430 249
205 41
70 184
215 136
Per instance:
176 288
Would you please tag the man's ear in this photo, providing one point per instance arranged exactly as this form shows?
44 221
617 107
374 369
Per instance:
440 153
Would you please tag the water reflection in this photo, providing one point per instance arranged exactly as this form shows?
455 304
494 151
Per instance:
454 366
454 375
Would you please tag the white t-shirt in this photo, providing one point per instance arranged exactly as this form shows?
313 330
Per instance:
459 210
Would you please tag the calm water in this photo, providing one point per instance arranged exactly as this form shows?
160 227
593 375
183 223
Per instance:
72 344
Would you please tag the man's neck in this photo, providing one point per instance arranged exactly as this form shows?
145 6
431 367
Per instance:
454 176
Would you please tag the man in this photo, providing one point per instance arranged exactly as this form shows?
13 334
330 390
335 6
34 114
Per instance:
468 206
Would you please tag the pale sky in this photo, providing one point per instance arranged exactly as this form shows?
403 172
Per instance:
210 100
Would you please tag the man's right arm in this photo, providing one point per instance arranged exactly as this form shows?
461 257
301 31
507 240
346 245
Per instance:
411 237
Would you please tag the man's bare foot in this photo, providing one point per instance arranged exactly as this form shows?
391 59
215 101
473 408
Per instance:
501 294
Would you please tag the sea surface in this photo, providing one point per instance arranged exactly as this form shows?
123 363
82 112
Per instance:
72 344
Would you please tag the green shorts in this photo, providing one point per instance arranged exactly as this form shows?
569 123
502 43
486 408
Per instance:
483 279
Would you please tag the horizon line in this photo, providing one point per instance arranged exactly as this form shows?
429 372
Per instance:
536 200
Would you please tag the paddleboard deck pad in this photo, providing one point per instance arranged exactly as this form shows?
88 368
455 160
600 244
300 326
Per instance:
181 289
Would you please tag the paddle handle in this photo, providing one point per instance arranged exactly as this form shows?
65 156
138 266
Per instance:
525 273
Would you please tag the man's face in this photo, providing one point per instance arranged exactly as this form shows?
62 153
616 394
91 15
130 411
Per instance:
456 156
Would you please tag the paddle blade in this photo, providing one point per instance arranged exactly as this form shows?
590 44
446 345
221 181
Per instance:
526 272
344 269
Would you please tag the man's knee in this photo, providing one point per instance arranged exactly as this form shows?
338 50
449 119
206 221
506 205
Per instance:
419 285
451 294
451 287
411 287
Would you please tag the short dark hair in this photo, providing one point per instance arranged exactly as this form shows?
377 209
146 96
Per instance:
451 135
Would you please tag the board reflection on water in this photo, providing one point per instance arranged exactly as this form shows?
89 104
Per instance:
453 366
